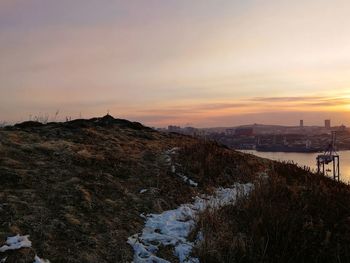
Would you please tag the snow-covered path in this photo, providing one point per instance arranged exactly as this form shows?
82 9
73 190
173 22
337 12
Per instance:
172 227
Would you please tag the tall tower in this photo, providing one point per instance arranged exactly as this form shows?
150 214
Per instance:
301 123
327 124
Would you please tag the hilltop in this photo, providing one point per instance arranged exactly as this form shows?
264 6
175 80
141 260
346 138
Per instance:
80 189
75 187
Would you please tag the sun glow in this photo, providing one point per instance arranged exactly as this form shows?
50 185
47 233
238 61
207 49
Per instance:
166 61
347 105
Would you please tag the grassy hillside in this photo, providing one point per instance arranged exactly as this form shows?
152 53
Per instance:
75 187
291 216
79 189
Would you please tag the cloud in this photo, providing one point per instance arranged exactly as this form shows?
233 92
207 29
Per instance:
287 99
263 109
311 101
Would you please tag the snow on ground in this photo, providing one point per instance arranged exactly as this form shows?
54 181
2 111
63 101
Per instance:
169 161
187 180
142 191
18 242
172 151
40 260
172 227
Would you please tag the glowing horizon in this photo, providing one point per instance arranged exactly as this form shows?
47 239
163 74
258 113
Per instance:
203 63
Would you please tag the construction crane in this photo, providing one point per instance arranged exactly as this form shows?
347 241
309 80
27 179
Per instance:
330 156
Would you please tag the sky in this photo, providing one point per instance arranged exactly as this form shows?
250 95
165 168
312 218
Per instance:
202 63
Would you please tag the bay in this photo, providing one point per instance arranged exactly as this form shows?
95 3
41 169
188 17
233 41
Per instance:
307 159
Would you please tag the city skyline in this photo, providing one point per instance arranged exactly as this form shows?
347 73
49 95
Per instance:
198 63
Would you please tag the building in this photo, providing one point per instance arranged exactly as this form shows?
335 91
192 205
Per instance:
301 123
244 132
327 124
189 131
342 128
230 131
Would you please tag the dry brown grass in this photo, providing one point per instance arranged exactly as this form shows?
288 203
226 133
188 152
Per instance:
295 216
75 187
211 165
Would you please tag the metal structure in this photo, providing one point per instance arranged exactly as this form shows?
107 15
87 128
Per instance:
330 156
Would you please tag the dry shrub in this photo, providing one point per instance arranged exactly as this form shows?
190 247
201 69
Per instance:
212 164
295 216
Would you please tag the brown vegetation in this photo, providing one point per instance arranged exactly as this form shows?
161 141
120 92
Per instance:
293 216
75 187
212 164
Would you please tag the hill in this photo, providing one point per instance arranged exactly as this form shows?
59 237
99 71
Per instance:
75 187
80 189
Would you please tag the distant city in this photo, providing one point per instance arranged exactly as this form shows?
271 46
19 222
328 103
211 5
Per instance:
272 138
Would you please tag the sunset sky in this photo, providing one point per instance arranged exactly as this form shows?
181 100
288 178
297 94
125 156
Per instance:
201 62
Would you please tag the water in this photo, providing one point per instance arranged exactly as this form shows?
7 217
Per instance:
308 159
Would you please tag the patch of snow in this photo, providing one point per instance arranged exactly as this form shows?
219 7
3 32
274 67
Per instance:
18 242
192 183
200 237
40 260
183 251
187 180
169 161
263 175
172 151
142 215
142 191
172 227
